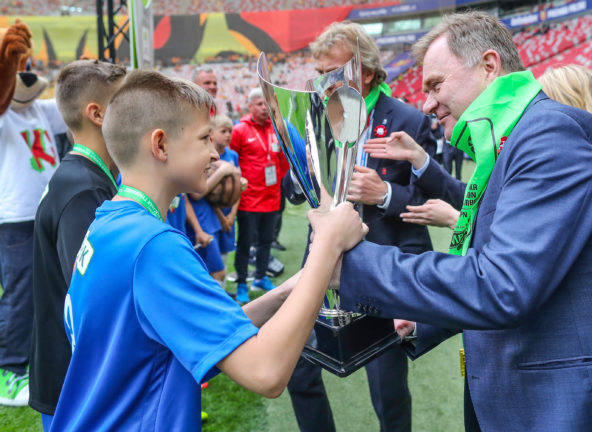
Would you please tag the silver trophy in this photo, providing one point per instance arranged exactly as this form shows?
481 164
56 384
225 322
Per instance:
319 129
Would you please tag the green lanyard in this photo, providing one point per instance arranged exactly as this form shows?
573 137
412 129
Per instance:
85 151
141 198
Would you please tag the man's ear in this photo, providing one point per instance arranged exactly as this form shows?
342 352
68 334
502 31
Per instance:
367 76
491 64
158 144
95 113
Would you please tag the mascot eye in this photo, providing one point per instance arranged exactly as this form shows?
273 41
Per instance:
29 65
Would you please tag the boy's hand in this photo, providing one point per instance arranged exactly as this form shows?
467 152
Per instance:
203 239
230 221
226 226
243 184
341 226
398 146
225 168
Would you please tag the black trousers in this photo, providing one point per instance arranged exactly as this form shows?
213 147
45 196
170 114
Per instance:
387 378
253 225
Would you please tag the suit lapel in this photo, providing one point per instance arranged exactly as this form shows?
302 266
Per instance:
382 117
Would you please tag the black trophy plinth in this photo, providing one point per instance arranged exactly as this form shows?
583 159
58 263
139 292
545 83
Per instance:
342 350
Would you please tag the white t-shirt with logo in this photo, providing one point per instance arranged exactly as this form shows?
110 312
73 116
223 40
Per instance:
28 159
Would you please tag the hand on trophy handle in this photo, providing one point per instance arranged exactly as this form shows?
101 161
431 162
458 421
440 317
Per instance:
341 227
366 186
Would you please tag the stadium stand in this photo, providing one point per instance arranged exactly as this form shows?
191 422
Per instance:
171 7
541 47
236 79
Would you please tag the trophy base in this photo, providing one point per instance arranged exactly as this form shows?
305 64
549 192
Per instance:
343 350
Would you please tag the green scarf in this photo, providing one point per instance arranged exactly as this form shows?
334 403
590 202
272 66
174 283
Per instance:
480 132
372 98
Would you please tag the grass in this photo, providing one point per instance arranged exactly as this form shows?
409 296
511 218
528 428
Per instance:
434 379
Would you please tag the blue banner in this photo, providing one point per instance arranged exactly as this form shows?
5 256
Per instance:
398 65
395 39
553 13
402 9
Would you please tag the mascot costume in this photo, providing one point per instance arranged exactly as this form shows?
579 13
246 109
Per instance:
28 158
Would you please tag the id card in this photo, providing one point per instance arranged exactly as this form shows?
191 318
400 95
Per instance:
270 175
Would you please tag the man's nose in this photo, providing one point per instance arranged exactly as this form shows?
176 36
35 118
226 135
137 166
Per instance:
429 105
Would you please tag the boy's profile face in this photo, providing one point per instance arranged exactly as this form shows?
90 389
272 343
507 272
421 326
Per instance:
190 154
221 137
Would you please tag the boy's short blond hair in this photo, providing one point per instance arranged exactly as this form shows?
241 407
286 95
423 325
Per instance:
221 120
146 101
82 82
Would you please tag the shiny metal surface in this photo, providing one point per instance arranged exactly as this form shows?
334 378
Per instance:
318 129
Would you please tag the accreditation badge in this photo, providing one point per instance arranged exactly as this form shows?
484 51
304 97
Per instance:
270 175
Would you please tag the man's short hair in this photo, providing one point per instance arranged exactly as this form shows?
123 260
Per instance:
199 70
148 100
469 35
255 93
346 32
82 82
221 120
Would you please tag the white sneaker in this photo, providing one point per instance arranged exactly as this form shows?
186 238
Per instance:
14 389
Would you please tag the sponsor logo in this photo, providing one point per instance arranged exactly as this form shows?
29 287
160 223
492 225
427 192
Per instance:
38 149
84 255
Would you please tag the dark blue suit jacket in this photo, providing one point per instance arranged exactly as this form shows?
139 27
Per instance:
523 292
386 227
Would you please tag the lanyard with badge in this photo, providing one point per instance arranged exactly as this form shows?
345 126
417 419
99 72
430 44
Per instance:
141 198
270 170
85 151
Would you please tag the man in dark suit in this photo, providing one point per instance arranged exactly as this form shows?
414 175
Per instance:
382 189
517 281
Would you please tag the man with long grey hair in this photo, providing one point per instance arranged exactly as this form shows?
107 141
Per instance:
382 190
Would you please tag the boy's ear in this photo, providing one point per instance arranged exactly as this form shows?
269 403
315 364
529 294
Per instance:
95 113
158 144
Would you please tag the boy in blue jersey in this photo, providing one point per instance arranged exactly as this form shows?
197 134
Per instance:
221 135
209 224
146 322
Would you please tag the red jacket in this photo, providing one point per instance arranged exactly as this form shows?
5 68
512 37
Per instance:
258 147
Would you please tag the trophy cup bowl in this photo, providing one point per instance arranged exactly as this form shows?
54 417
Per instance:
318 130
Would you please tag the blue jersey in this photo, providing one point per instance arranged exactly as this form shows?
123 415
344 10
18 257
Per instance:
206 216
226 239
146 323
177 214
231 156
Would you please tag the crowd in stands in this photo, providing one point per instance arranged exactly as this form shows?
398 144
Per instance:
171 7
236 79
540 47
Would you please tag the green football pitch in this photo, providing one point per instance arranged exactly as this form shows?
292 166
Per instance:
434 379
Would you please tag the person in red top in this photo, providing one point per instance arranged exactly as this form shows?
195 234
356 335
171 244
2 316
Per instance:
263 164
